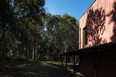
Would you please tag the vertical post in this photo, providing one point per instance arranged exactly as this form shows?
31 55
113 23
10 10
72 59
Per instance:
61 61
66 61
79 63
79 38
96 64
74 65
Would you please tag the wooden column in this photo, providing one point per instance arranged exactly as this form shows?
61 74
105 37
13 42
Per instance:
61 61
79 63
74 65
96 64
66 61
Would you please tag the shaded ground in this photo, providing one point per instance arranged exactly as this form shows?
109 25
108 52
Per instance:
35 69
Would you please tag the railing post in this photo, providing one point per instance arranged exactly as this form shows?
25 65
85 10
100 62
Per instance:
96 64
79 63
74 65
61 61
66 61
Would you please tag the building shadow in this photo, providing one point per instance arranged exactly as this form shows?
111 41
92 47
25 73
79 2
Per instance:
96 26
112 15
36 69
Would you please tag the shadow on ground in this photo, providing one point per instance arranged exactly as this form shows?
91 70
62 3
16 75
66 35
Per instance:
35 69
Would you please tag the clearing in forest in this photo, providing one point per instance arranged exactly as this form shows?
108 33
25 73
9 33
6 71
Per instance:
35 69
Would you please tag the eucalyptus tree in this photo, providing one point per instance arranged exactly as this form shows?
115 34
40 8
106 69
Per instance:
70 31
32 12
54 35
62 33
7 18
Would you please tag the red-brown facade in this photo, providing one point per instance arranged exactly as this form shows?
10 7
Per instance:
98 65
100 21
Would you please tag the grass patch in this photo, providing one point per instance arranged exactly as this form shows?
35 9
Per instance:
34 69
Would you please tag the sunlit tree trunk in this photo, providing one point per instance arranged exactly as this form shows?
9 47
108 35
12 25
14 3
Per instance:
34 53
33 50
65 47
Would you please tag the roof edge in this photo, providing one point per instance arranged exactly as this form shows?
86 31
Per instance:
87 9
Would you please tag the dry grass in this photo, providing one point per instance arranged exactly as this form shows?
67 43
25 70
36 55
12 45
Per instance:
35 69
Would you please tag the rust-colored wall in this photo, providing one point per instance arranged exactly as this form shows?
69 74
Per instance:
103 66
100 20
107 64
87 65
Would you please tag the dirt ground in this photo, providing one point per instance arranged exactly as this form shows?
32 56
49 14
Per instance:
36 69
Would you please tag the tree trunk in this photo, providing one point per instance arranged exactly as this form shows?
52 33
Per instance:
65 47
34 53
2 49
49 55
26 53
57 53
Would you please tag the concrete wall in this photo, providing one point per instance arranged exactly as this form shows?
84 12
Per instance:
100 20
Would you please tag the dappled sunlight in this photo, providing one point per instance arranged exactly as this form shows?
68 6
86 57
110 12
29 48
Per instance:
112 14
31 73
36 69
96 25
99 24
23 65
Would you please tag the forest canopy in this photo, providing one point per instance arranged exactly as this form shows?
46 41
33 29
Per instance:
28 32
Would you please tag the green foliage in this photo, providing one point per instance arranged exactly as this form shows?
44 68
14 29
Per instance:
20 23
26 32
61 35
